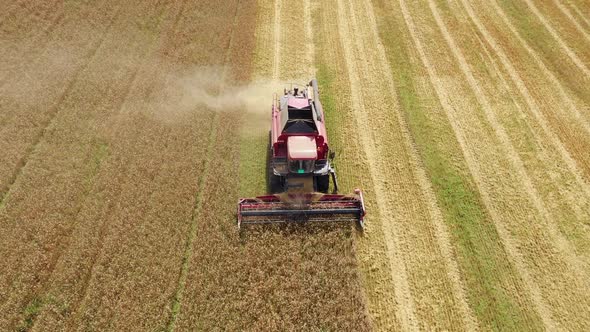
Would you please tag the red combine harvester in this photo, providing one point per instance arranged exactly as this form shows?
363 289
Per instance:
300 168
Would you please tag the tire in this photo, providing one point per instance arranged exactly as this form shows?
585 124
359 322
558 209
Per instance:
322 183
275 184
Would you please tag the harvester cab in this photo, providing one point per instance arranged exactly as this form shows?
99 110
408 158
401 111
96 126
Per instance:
300 167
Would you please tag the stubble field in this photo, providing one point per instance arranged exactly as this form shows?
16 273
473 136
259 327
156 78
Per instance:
128 130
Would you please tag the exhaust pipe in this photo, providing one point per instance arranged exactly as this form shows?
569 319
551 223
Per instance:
319 109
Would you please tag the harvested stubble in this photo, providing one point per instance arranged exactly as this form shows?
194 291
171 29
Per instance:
475 240
341 62
531 32
525 227
540 147
573 43
560 88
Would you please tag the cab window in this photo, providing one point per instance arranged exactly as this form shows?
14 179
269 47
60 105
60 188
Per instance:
301 166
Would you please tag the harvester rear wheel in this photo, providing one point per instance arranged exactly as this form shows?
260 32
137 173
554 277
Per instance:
322 183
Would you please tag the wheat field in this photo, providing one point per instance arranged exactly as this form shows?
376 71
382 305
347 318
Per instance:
129 129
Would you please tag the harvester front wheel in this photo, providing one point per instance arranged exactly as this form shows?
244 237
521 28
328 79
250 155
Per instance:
275 184
322 183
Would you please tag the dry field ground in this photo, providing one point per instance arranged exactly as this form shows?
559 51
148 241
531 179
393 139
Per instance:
128 130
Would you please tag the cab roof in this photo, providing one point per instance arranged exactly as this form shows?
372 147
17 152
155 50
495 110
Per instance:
302 147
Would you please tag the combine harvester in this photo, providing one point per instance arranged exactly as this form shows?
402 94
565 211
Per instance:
300 168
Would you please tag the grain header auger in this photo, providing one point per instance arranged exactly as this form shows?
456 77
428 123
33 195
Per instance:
300 167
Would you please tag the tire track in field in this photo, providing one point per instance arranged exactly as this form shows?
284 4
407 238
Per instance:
31 90
309 37
277 41
87 275
442 237
103 229
31 320
406 312
568 268
509 243
186 258
571 110
572 197
91 56
565 247
68 237
572 165
572 19
35 22
31 56
394 238
295 41
53 112
579 12
570 53
548 73
55 260
94 311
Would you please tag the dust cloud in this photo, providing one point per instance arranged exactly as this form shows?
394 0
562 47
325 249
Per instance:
29 85
205 89
182 93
